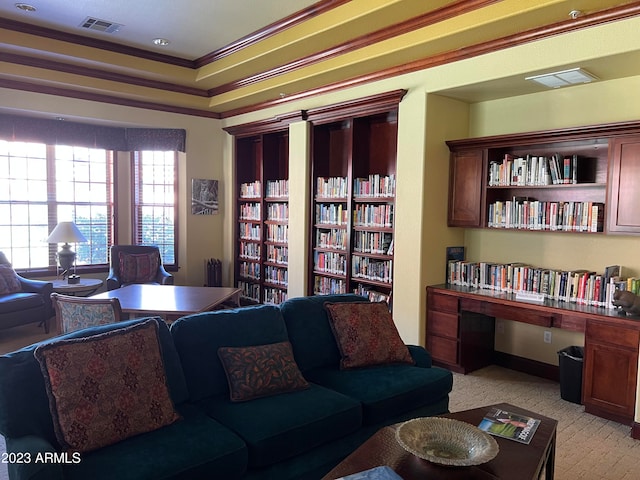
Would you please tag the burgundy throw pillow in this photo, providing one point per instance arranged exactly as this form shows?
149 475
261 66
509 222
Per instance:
105 388
9 281
260 371
366 335
139 267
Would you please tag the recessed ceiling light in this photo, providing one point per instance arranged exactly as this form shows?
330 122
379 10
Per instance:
25 7
161 41
563 78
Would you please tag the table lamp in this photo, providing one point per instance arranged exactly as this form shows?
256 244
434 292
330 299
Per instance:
66 232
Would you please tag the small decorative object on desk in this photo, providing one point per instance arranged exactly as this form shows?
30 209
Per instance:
446 441
377 473
513 426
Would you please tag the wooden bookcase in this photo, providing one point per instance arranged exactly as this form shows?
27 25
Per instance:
262 211
353 187
607 176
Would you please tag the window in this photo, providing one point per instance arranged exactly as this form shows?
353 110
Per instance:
41 185
154 196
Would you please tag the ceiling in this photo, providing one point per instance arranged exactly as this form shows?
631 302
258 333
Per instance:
226 57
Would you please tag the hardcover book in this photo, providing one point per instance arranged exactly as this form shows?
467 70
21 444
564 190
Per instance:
513 426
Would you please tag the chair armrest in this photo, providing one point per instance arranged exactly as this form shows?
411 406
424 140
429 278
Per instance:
420 355
30 464
42 288
163 277
113 281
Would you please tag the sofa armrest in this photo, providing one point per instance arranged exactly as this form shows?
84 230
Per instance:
42 288
420 355
28 453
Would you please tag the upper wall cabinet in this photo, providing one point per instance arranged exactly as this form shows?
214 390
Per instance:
583 180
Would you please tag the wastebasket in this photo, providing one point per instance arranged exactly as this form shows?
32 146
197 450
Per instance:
571 360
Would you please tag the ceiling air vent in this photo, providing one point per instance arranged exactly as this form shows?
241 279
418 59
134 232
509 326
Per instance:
105 26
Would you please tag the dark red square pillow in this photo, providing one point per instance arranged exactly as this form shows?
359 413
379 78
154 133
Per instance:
139 267
366 335
260 371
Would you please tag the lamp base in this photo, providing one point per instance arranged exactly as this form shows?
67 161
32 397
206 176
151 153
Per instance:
73 279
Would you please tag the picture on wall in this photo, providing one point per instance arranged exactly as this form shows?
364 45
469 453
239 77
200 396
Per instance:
204 196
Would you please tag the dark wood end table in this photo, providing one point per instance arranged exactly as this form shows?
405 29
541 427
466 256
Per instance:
515 461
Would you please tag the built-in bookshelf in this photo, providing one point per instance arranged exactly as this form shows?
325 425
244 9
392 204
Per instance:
353 183
261 257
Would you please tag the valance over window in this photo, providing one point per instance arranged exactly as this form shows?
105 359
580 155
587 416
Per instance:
60 132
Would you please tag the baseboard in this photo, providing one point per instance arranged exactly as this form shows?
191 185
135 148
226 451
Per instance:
635 430
526 365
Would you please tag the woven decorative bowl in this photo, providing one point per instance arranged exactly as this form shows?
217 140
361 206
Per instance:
446 441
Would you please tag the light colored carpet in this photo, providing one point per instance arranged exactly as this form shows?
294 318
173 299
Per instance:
588 447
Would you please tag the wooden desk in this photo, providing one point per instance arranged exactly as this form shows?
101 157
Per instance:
514 461
170 301
460 336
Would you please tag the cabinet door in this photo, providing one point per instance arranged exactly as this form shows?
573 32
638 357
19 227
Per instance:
610 369
624 181
465 189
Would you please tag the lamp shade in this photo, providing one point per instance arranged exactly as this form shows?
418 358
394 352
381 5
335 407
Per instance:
66 232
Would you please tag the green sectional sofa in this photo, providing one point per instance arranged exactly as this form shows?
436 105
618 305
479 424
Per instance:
298 434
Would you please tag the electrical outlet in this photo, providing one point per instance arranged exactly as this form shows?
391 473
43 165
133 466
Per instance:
547 336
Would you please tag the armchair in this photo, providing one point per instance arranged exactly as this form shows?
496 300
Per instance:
75 313
24 300
136 264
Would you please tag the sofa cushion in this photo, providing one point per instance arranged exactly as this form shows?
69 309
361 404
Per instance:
190 449
387 391
309 331
9 281
260 371
138 267
105 388
366 335
19 301
197 339
282 426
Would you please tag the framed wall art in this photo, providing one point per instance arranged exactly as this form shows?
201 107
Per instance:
204 196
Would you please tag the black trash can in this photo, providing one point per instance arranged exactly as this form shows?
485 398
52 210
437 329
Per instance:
571 360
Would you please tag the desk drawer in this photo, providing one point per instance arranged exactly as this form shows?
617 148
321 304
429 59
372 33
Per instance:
443 303
444 324
443 349
613 335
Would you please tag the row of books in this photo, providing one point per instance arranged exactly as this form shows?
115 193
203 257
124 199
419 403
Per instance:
278 211
331 238
331 187
249 231
533 170
372 269
249 250
372 242
250 290
375 186
520 213
277 188
367 215
329 262
331 214
249 270
372 294
251 190
277 254
250 211
278 233
328 285
275 275
274 296
577 286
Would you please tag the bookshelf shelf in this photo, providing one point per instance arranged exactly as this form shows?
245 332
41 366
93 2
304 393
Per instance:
354 156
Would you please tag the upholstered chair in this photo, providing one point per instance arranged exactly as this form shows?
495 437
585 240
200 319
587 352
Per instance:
23 300
136 264
75 313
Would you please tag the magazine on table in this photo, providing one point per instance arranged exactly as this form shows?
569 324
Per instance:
377 473
513 426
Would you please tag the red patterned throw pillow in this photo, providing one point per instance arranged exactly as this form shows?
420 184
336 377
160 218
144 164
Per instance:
260 371
106 388
139 267
366 335
9 281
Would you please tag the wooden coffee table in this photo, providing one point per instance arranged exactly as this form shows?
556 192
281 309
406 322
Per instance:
170 301
515 461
